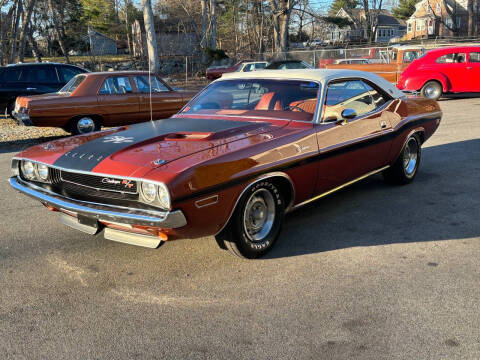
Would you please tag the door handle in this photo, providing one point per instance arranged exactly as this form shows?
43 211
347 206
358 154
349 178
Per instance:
31 88
469 67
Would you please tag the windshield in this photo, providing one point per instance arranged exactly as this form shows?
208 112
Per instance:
287 99
72 84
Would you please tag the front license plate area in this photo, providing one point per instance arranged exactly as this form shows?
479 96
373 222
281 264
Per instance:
87 220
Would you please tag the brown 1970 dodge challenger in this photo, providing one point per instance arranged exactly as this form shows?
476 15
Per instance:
246 150
89 101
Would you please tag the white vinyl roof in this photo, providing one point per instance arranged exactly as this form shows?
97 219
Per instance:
321 75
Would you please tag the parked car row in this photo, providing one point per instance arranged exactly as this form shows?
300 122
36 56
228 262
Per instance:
216 72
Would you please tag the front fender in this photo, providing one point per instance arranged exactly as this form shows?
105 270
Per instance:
416 82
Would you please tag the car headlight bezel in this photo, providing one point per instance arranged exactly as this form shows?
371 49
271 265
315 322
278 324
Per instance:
159 194
29 170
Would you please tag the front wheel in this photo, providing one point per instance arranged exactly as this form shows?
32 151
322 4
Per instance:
256 221
431 90
405 168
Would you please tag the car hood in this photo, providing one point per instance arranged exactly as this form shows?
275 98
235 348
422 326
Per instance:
147 145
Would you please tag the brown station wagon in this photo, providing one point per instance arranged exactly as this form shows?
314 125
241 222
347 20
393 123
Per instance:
92 100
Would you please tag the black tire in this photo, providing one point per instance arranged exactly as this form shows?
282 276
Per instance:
77 127
403 172
262 198
431 90
9 109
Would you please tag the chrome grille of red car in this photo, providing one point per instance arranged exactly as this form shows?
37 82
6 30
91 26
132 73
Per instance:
96 183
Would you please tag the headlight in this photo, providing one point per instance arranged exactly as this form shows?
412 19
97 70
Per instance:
163 196
149 191
28 170
155 194
34 171
42 171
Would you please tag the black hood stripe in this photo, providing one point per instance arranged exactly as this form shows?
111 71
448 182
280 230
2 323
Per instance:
88 155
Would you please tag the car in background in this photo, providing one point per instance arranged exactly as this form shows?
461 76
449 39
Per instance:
244 152
388 64
288 64
352 61
214 72
252 66
443 71
32 79
92 100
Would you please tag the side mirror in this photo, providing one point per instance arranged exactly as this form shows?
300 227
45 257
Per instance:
349 114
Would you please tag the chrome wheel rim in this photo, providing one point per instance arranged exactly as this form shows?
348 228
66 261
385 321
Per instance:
259 215
410 156
432 92
85 125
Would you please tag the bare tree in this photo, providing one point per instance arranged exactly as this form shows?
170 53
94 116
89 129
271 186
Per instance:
58 32
152 46
213 24
24 30
282 10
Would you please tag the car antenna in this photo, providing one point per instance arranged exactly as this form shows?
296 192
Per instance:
150 89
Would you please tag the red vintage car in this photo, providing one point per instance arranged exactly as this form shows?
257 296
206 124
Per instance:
246 150
443 71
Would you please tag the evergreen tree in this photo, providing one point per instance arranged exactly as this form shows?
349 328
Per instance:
338 4
405 9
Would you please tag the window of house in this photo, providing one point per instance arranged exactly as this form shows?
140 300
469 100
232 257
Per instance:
409 27
351 94
474 57
459 23
449 22
439 9
116 85
451 58
429 9
422 23
417 25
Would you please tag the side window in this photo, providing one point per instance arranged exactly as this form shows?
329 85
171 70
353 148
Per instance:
41 74
260 66
350 94
451 58
474 57
11 75
248 67
142 84
66 73
116 85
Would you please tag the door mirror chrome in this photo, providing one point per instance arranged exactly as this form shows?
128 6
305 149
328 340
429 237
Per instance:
349 114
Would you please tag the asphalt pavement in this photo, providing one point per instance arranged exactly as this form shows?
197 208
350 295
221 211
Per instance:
370 272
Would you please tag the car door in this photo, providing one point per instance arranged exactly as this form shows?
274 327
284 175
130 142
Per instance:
454 67
473 70
159 103
118 104
351 148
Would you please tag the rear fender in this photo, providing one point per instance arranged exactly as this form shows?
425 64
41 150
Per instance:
415 83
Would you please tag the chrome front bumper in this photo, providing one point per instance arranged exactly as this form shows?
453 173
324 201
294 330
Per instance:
21 118
118 214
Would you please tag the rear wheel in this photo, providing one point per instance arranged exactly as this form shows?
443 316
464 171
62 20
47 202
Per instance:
432 90
84 125
255 223
405 168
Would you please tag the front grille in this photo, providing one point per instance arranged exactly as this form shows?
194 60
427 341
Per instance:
94 182
89 194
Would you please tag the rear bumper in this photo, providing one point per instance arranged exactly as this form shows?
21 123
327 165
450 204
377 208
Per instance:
118 214
22 119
